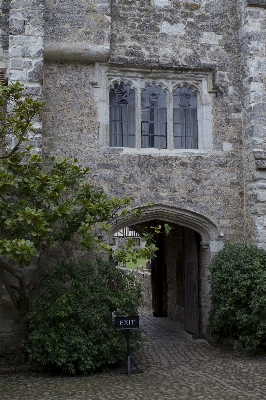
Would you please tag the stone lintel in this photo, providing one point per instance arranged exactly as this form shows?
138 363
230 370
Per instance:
256 3
78 51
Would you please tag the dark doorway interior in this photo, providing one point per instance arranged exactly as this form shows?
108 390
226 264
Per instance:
175 276
191 273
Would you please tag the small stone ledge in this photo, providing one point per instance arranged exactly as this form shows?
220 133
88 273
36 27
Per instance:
260 159
78 51
256 3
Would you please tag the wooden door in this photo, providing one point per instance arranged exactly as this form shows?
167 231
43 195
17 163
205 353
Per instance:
191 281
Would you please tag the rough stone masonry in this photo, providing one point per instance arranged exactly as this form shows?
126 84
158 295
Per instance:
73 53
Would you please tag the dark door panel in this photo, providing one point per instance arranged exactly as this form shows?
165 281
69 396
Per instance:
191 281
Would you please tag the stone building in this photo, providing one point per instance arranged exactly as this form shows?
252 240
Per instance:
164 100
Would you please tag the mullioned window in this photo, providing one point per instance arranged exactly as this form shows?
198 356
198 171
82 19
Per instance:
154 127
153 111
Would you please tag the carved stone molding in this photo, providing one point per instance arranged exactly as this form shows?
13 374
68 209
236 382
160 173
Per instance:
78 51
204 226
205 245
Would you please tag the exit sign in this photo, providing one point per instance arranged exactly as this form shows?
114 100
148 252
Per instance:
123 323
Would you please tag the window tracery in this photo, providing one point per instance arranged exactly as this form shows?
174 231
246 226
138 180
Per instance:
185 123
150 111
122 116
153 118
154 115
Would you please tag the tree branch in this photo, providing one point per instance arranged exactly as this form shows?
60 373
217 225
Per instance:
19 275
12 270
3 198
35 281
8 287
12 151
15 287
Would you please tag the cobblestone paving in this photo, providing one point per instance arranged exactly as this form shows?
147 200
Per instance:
175 367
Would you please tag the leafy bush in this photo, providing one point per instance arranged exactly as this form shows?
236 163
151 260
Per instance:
238 294
71 325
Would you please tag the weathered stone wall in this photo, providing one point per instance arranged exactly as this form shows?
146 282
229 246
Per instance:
182 35
185 33
4 32
26 43
223 39
25 59
67 92
209 183
191 35
77 30
253 41
175 37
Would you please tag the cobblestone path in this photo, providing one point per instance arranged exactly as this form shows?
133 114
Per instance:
175 367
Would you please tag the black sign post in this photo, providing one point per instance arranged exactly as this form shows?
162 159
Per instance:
127 324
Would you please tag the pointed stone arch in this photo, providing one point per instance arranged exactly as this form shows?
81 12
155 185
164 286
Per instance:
211 235
183 256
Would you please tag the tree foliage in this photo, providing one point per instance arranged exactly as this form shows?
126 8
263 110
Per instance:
42 205
71 326
17 115
238 294
45 202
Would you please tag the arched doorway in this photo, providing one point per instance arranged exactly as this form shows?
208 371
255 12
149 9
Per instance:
179 278
176 277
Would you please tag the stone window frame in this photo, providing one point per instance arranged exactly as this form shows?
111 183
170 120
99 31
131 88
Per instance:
105 76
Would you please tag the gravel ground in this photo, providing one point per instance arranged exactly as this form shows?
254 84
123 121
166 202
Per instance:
175 366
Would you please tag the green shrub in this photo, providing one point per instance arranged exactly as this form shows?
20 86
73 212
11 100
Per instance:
71 325
238 294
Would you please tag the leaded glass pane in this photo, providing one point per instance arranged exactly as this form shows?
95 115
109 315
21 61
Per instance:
153 117
122 116
185 119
